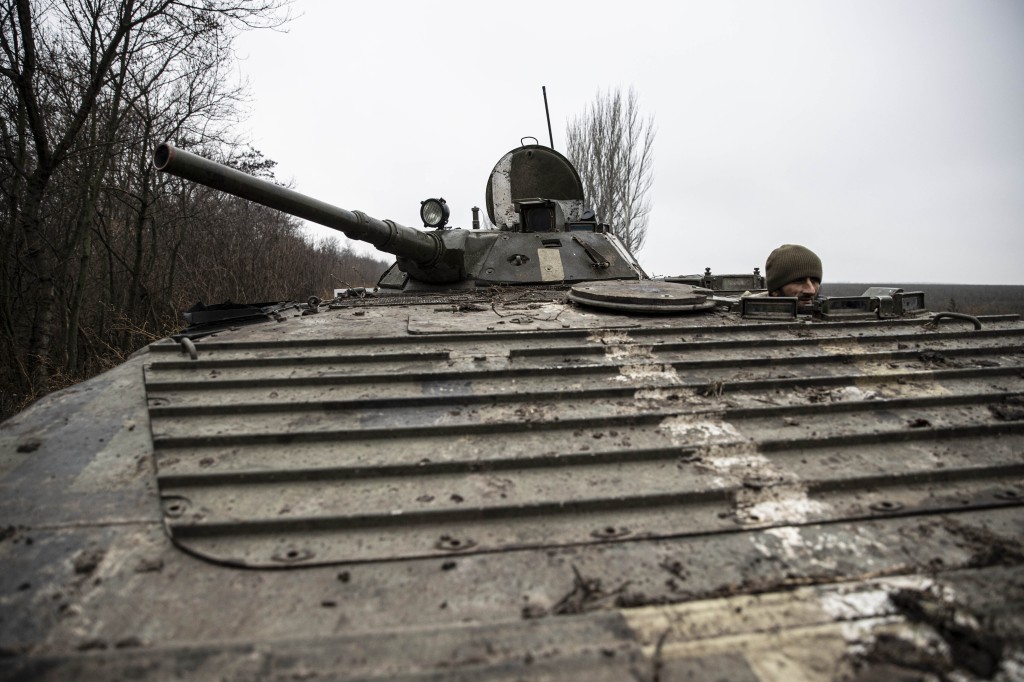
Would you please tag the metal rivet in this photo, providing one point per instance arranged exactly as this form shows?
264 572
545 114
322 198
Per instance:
175 506
610 532
293 555
452 544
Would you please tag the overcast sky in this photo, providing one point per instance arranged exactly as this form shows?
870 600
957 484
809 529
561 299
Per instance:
886 135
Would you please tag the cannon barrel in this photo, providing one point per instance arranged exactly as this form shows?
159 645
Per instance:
423 248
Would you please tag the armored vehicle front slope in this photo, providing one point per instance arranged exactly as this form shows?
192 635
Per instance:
536 481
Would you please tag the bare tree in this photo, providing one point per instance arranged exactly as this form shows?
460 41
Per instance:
75 78
98 253
611 145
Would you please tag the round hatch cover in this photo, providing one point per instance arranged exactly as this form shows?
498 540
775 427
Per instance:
648 296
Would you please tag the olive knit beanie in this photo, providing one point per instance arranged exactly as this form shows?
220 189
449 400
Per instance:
791 262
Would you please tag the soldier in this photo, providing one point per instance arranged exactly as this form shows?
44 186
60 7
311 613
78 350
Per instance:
793 270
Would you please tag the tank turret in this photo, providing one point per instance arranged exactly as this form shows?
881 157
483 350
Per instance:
544 233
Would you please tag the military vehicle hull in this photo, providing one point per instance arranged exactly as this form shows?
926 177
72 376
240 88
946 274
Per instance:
504 484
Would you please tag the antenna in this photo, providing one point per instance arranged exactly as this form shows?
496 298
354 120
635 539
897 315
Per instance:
547 113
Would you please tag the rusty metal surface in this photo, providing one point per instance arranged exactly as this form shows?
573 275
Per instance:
431 491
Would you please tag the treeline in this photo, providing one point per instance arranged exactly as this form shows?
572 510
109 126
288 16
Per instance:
99 254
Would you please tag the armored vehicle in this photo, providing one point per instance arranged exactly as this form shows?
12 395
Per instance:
522 458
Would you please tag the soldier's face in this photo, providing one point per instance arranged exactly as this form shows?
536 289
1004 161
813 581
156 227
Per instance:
805 289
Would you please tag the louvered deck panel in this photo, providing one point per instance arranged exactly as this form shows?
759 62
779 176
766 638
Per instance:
329 451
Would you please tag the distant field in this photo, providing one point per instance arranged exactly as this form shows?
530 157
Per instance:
974 299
